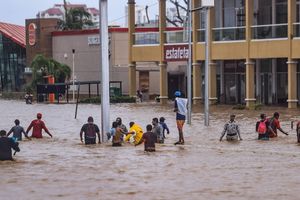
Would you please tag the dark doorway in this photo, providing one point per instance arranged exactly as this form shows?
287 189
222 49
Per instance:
175 82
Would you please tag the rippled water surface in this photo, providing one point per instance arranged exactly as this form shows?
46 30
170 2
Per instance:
204 168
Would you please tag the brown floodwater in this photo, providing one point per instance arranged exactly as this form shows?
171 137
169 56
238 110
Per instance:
204 168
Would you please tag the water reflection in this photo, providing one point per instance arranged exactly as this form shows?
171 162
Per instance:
63 168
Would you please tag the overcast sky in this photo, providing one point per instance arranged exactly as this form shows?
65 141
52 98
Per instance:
16 11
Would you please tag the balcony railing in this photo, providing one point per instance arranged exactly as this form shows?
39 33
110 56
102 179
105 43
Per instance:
270 31
141 38
297 29
229 33
176 36
201 35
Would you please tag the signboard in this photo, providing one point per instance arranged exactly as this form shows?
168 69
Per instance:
208 3
93 40
176 53
32 34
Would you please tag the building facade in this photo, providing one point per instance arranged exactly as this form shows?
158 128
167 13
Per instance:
254 51
12 57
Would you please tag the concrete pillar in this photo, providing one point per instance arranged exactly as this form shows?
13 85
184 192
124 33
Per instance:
292 65
292 84
163 83
162 64
132 64
250 84
212 76
197 76
212 72
197 83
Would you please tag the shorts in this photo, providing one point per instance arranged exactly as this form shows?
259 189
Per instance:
231 137
90 140
180 124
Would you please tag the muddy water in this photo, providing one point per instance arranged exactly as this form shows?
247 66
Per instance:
63 168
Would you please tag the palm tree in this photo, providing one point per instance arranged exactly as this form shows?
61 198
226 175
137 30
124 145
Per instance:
75 19
42 66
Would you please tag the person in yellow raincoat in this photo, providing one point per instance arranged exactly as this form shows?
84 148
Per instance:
134 134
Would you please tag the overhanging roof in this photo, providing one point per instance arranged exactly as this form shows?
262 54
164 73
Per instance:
14 32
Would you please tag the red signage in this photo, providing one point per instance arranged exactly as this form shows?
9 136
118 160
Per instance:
176 53
32 34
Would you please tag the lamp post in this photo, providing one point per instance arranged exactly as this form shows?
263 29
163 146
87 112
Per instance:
73 73
104 61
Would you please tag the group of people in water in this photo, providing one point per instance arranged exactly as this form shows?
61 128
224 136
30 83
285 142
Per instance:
266 128
155 132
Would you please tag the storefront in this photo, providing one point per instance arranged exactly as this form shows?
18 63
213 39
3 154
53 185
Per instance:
12 57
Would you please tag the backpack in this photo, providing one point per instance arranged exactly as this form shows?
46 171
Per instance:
262 127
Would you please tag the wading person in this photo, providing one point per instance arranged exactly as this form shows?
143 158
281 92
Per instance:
232 130
149 138
38 125
180 108
134 134
6 144
274 125
158 130
90 130
17 131
116 133
298 131
121 125
262 128
164 126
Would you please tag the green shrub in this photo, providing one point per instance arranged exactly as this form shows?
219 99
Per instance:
239 107
116 99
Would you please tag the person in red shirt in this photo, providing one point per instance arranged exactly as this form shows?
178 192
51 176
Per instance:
274 125
38 125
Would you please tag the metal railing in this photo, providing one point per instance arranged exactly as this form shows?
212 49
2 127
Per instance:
269 31
229 33
176 36
297 29
141 38
201 35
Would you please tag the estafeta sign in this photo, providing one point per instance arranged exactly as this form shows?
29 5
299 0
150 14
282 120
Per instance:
93 40
32 34
207 3
176 53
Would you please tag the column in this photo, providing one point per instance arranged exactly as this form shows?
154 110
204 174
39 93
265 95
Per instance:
197 76
212 72
163 83
250 64
212 79
292 64
132 64
250 84
162 64
292 84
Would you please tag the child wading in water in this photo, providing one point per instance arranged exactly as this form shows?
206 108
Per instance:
149 138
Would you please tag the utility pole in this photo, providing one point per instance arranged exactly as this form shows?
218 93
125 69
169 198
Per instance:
104 61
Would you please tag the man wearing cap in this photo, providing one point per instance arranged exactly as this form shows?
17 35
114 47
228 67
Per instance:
90 129
181 110
38 125
232 130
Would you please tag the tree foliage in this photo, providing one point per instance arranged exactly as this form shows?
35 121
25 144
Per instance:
75 19
43 67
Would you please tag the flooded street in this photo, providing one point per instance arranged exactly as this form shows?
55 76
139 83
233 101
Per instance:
204 168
